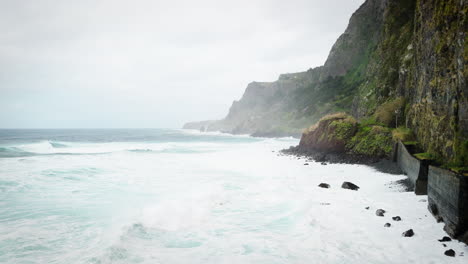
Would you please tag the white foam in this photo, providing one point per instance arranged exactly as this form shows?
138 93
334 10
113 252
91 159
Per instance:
236 203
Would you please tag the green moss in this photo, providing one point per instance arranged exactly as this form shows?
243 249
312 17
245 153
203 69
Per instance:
461 152
425 156
370 121
342 129
411 143
371 141
459 169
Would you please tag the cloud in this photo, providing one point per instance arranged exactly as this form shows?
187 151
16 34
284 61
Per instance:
115 63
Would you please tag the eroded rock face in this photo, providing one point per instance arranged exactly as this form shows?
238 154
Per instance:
348 49
330 134
439 92
340 133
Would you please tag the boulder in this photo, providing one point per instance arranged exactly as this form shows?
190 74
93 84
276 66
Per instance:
445 239
408 233
350 186
396 218
387 225
324 185
380 212
450 253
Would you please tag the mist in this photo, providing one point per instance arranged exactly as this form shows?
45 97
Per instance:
136 64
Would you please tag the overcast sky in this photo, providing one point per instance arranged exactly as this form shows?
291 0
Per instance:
149 63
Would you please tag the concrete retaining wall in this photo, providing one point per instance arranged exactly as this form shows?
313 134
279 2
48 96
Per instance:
447 191
448 200
415 169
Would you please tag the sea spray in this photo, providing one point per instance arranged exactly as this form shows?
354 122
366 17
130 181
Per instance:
174 196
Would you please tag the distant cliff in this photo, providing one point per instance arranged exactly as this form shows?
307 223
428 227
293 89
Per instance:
399 63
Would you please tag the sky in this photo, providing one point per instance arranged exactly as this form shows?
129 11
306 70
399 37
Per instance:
150 63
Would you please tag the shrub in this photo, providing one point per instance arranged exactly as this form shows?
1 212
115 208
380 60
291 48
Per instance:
403 134
388 112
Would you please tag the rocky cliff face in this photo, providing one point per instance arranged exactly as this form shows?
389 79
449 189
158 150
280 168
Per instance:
436 80
421 57
399 63
297 100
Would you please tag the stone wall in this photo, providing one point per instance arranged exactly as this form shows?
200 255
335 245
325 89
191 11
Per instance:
415 169
448 201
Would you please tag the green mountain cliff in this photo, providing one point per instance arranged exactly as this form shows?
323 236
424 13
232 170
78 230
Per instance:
400 63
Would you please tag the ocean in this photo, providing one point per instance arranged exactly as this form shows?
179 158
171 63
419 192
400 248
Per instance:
180 196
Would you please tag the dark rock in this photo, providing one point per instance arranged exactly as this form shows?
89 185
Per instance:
323 163
405 185
321 158
380 212
324 185
408 233
387 225
350 186
396 218
306 163
450 253
445 239
445 245
367 208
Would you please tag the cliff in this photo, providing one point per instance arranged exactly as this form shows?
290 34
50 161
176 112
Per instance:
296 100
400 63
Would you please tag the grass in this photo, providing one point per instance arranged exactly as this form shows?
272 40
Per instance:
403 134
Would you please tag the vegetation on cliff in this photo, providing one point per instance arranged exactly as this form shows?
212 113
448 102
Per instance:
341 133
400 64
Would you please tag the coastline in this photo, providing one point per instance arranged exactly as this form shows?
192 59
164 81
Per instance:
401 206
200 198
381 164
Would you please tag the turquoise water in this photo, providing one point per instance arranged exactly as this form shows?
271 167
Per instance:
102 196
175 196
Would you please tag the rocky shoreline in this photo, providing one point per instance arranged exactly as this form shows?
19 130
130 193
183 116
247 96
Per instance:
380 164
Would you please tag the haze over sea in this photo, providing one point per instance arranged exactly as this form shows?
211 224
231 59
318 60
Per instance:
180 196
